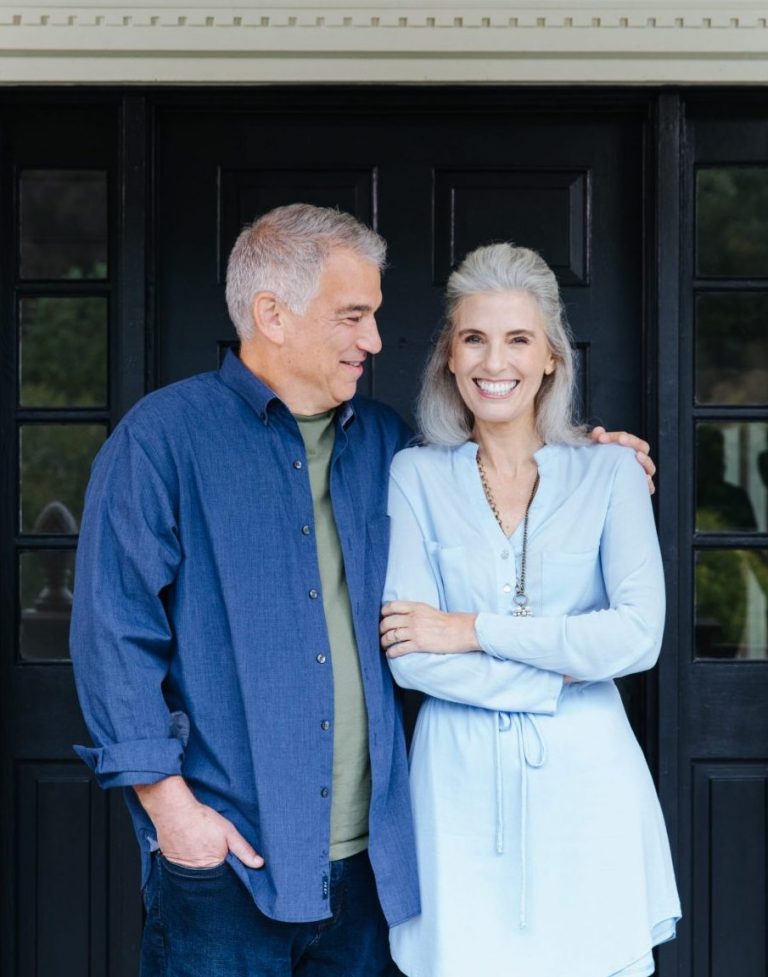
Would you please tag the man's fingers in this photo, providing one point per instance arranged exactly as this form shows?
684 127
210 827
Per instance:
242 850
647 462
602 436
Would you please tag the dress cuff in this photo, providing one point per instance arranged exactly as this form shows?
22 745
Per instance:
133 761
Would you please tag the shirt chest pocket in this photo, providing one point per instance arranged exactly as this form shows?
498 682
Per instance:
572 583
450 564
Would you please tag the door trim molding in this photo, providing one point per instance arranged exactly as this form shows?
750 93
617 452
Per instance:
547 41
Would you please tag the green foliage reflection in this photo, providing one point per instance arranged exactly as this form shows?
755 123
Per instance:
63 352
732 348
55 465
732 221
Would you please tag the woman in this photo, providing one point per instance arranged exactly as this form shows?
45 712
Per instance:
524 577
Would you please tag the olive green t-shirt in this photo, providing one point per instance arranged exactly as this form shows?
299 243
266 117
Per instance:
351 765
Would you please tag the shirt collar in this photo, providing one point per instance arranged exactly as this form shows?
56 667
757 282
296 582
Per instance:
236 375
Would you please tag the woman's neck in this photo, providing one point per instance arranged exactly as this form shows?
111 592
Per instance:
509 452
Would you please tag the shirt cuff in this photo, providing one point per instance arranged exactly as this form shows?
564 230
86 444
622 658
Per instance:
133 761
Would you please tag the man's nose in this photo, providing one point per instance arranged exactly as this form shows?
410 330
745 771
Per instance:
370 340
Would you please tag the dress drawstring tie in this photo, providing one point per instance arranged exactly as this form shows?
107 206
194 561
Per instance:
523 722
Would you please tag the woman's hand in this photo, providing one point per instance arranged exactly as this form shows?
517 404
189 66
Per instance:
407 627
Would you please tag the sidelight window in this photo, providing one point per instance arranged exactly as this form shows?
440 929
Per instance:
62 329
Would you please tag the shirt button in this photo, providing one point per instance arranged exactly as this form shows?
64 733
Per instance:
320 659
297 464
325 724
324 792
306 530
507 588
505 554
313 594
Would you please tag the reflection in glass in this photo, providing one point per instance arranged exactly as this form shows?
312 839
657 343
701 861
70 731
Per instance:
45 599
63 352
732 348
732 221
55 465
63 223
732 477
732 604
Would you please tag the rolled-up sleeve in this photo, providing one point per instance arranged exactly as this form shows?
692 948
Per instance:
120 639
474 678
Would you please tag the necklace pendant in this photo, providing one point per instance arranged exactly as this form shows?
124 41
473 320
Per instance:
521 608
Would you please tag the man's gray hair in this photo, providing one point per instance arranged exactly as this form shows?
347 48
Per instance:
284 252
442 416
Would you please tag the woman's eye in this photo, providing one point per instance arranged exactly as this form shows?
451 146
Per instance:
472 339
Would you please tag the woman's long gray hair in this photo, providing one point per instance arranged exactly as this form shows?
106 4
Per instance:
442 416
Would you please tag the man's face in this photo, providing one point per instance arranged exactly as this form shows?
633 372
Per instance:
326 346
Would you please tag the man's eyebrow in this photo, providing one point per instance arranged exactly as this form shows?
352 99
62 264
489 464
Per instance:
354 308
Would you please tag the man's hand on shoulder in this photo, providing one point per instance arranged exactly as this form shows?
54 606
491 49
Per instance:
190 833
641 448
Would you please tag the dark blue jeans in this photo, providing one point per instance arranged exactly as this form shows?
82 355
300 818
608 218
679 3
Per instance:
204 923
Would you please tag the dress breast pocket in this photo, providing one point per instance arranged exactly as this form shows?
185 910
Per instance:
451 565
572 583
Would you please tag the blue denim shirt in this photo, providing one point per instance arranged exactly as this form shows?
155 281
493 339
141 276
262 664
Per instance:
198 634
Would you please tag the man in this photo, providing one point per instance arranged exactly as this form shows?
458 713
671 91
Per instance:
225 628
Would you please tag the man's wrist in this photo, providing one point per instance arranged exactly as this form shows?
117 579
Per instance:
167 794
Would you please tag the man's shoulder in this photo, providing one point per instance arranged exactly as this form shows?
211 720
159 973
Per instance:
381 419
163 408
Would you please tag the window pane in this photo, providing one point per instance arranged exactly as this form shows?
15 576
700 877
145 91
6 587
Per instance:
55 465
45 599
731 477
63 223
63 352
732 348
732 221
732 604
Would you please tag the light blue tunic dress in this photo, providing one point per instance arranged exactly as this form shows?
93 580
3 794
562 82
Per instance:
541 845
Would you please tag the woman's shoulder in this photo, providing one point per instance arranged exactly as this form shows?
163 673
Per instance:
589 456
431 471
424 458
582 465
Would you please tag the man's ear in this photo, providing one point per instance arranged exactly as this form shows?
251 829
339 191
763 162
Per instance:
267 316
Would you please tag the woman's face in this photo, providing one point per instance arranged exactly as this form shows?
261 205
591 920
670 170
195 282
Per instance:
499 356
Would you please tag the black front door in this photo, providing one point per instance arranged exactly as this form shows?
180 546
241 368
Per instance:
117 212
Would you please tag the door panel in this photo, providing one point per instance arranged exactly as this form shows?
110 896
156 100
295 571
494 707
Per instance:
723 541
571 187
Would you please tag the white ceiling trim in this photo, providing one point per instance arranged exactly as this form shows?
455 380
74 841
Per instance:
179 42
